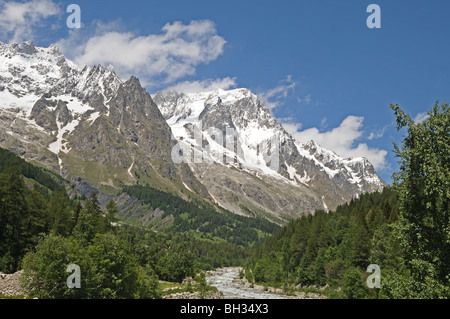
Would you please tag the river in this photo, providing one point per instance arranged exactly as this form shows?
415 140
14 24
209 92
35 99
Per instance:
226 280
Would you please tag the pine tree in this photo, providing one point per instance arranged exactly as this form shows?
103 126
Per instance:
14 214
90 220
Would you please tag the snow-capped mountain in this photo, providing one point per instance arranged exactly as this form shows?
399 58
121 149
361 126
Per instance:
231 123
28 72
52 93
253 142
84 122
225 146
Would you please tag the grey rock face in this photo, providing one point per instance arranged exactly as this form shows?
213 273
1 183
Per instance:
308 177
25 48
44 117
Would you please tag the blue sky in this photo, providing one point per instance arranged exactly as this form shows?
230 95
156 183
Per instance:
323 72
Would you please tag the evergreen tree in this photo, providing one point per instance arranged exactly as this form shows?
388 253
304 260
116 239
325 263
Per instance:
14 215
90 220
38 216
112 212
75 216
59 213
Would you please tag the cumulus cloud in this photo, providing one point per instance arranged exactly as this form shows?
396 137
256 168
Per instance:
204 85
164 57
341 140
18 20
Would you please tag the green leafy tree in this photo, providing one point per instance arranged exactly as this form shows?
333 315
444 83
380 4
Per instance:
354 284
38 215
76 214
148 284
45 275
113 271
203 285
423 185
177 263
361 245
85 229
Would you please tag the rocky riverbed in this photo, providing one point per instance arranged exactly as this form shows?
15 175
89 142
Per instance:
227 281
10 284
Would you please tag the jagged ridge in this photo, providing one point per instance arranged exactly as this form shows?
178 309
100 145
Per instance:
321 175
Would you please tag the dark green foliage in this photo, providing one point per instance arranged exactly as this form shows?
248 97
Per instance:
354 284
112 271
423 185
28 209
213 255
14 216
202 217
44 231
45 271
178 263
108 269
42 176
332 248
112 212
110 265
405 230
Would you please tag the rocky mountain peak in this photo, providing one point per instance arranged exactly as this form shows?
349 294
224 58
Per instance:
24 48
251 150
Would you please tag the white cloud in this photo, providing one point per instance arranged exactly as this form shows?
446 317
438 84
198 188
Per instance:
163 58
341 140
290 126
204 85
286 88
273 97
306 100
18 20
420 117
323 123
378 134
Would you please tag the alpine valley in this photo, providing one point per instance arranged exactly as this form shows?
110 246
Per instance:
105 134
